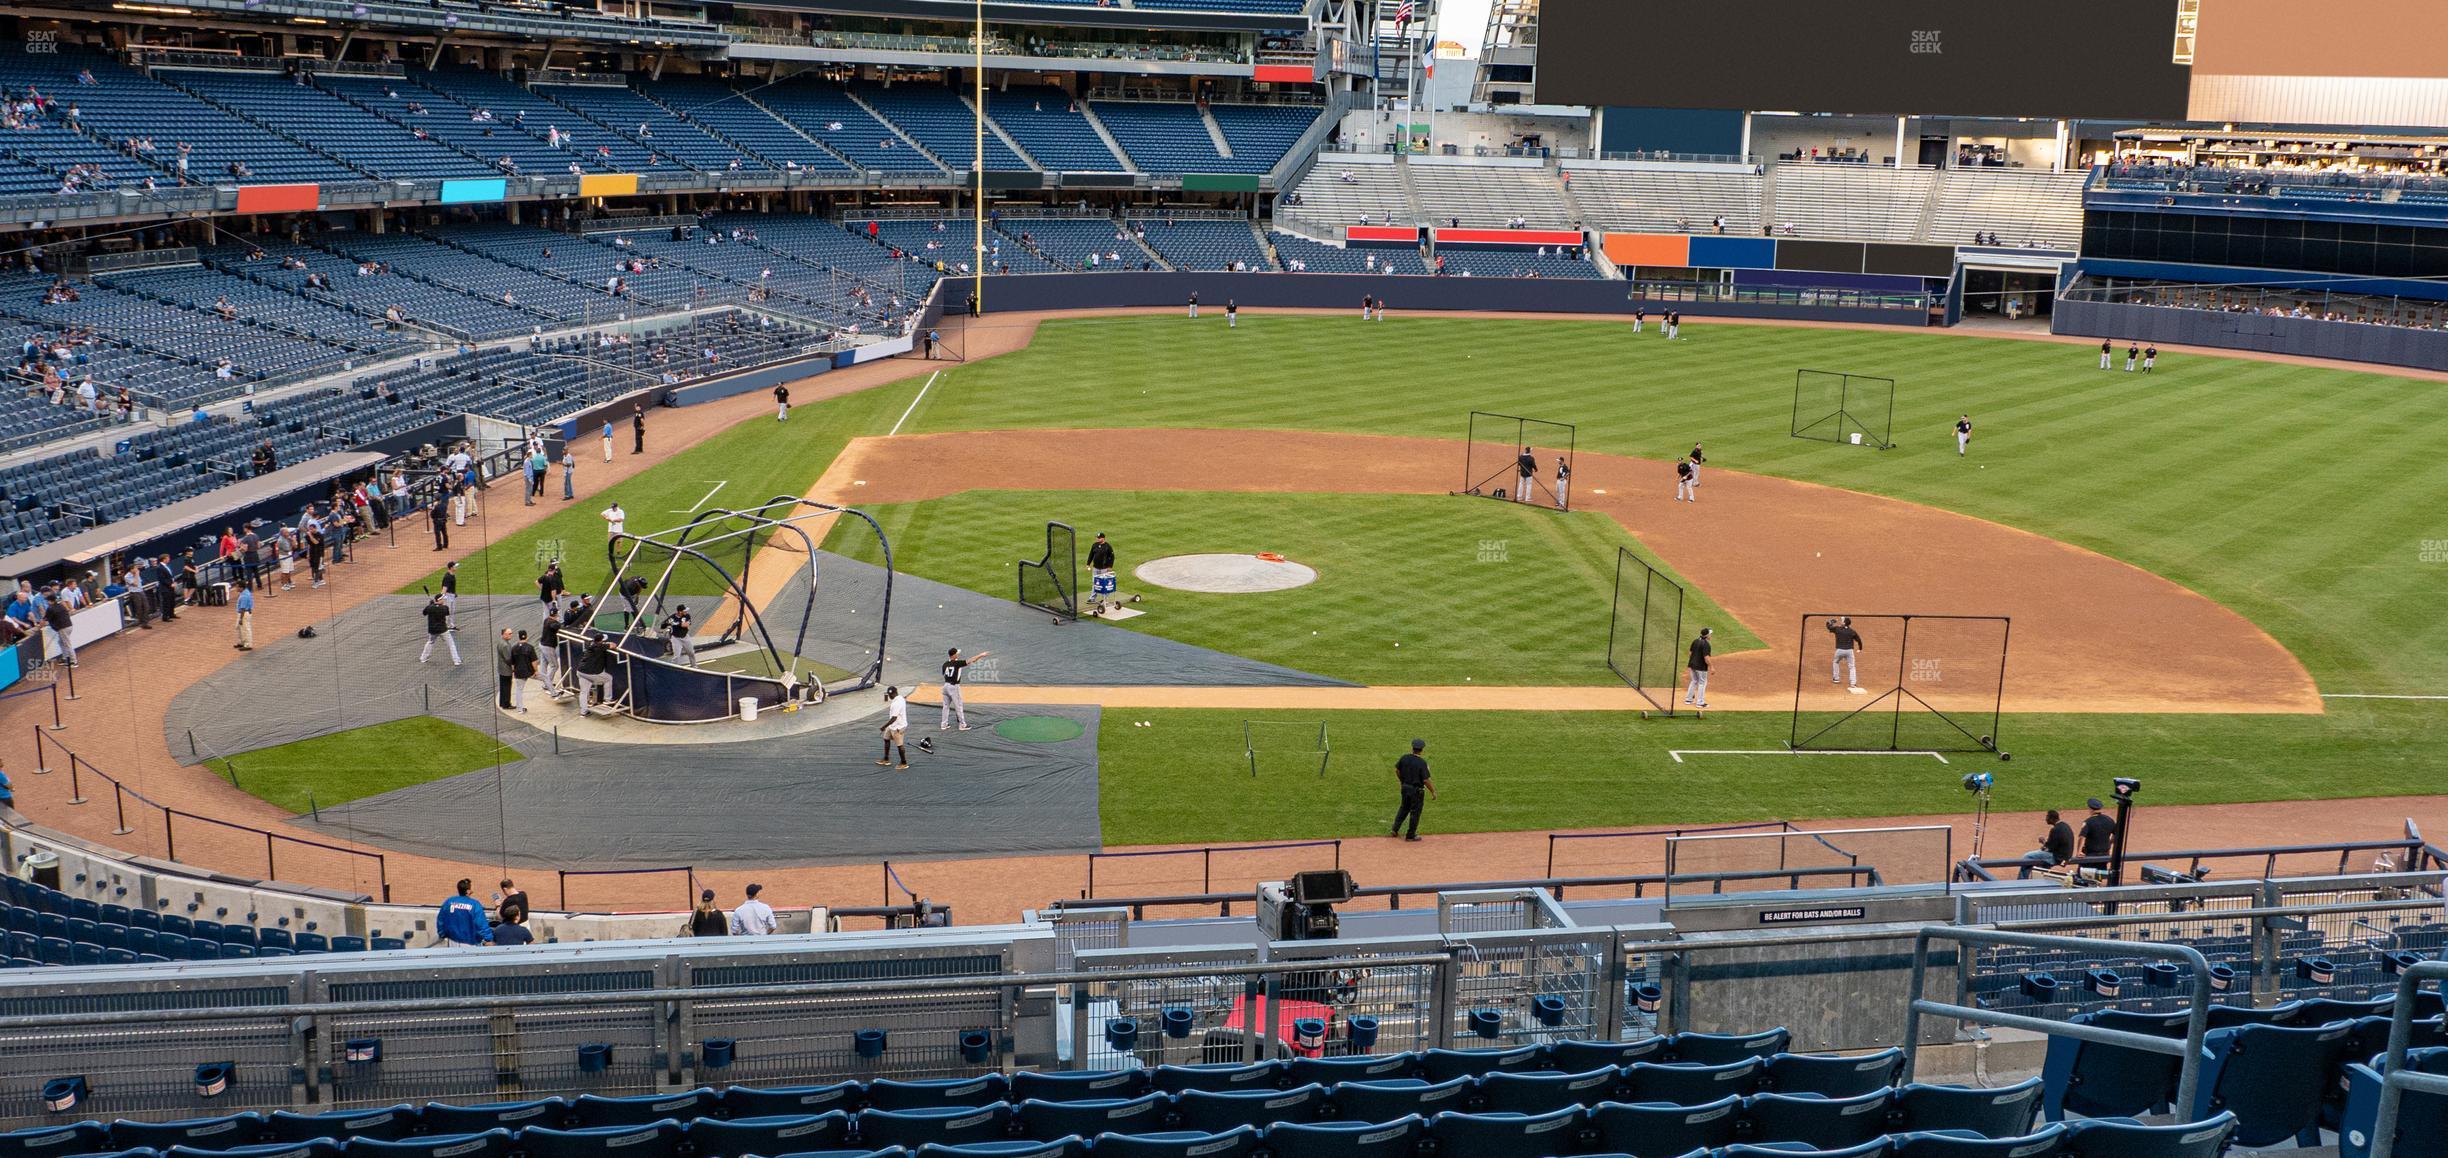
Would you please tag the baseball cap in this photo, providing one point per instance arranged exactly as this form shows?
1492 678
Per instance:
1417 745
706 895
2095 802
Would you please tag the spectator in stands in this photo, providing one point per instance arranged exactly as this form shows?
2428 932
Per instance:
513 929
707 919
61 621
461 921
753 918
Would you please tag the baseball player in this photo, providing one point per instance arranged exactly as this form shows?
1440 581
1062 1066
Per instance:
782 403
1695 693
1640 316
1193 303
1232 314
1963 434
1697 460
953 709
2106 348
1674 324
2131 354
1368 306
1563 477
1848 642
1686 477
1525 469
896 726
2150 357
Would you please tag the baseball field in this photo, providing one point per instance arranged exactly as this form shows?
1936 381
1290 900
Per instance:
2220 584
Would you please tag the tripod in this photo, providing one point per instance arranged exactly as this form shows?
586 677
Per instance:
1980 819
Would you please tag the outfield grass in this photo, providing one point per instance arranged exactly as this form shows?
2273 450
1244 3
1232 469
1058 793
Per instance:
361 762
1478 592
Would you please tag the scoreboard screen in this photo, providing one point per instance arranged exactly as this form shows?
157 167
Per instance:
2060 58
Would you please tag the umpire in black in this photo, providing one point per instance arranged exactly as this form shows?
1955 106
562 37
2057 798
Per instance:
1412 772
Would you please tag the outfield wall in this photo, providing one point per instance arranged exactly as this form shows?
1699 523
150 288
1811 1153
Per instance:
2307 337
1402 294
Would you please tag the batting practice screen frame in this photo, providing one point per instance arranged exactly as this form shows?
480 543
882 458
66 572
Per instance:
1827 411
1057 587
1646 604
1934 683
1485 424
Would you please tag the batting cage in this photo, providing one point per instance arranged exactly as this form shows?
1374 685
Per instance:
1906 683
1857 409
1645 644
1796 860
1492 452
1285 746
1051 583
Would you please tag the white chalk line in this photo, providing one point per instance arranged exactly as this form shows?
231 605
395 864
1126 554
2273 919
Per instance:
709 497
2374 696
913 406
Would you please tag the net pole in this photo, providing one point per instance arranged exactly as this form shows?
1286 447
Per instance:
1673 671
1844 405
1793 738
1895 727
1794 427
1887 437
1615 612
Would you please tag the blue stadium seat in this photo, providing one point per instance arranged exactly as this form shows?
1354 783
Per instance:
1241 1143
2323 1010
84 909
786 1134
388 944
2126 1138
479 1117
2048 1142
318 943
2095 1080
1327 1071
2272 1076
2421 1118
1387 1100
1825 1123
1396 1139
1654 1130
1574 1057
779 1101
1265 1075
200 949
1833 1077
887 1094
942 1126
1046 1121
1691 1085
1058 1148
274 939
144 919
2003 1112
658 1140
1085 1086
1502 1093
45 1141
1875 1148
1716 1049
1508 1135
1438 1065
487 1144
226 1132
590 1112
317 1148
55 950
174 923
1213 1112
2233 1016
390 1122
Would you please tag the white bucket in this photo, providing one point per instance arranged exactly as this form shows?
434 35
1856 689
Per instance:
748 708
1857 438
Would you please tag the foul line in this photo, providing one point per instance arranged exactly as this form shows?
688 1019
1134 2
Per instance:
1679 753
2375 696
913 406
709 497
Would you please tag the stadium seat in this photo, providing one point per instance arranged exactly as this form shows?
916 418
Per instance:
2110 1081
2232 1016
1716 1049
1058 1148
887 1094
1088 1086
1656 1130
2421 1117
1826 1123
1387 1100
1046 1121
2323 1010
591 1112
941 1125
1832 1077
389 1122
2002 1112
1240 1143
2126 1138
318 943
784 1101
786 1134
1263 1075
1327 1071
317 1148
226 1132
1690 1085
1508 1135
1213 1112
2049 1141
274 939
1502 1093
2272 1076
1438 1065
45 1141
1399 1138
1575 1057
1875 1148
655 1140
476 1119
487 1144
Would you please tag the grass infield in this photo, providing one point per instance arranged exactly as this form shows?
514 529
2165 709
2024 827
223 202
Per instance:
361 762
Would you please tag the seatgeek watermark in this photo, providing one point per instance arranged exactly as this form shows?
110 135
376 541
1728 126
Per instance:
1495 550
2433 551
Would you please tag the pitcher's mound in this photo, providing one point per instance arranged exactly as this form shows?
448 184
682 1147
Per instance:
1224 574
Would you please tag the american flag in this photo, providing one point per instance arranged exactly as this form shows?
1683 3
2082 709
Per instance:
1402 13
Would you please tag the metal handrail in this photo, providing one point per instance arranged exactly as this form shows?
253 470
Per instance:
1554 886
2397 1080
2188 1051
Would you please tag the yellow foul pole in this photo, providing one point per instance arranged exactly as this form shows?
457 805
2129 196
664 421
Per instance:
977 288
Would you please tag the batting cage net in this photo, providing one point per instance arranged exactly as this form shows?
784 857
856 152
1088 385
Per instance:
1645 630
1492 452
1754 862
1911 683
1285 746
1845 408
1051 583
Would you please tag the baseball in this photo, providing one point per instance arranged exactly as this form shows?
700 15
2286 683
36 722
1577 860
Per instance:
1814 554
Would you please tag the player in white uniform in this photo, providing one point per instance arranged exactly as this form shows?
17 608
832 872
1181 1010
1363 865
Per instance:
896 725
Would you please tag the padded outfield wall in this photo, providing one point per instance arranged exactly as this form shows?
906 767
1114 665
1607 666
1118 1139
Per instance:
1402 293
